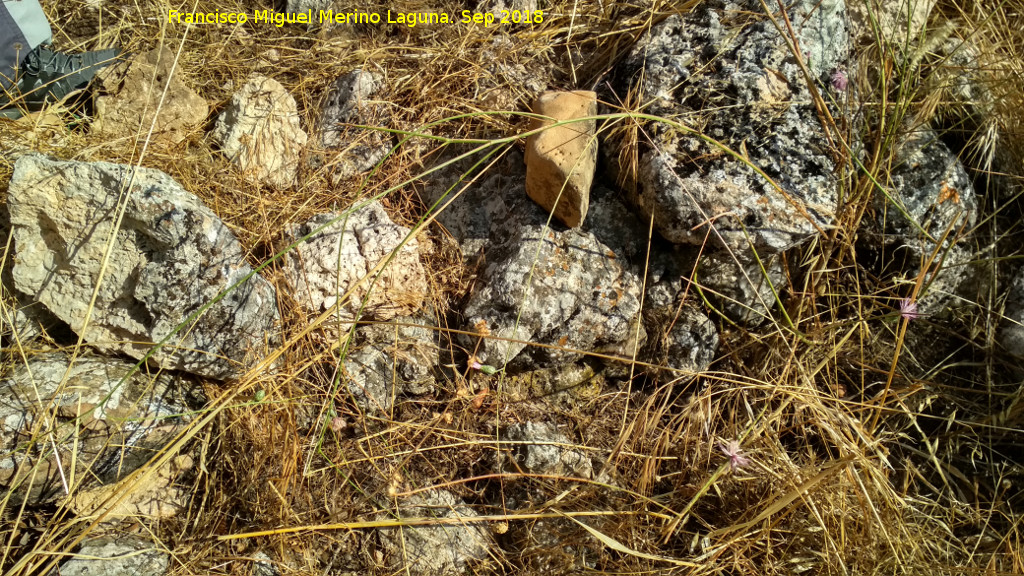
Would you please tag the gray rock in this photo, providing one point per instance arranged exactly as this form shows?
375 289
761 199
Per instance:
1011 336
263 565
294 6
440 549
579 297
395 358
479 210
615 226
745 290
27 321
582 295
170 257
898 22
260 132
929 209
510 81
115 555
358 150
736 74
681 339
106 419
541 449
931 195
324 268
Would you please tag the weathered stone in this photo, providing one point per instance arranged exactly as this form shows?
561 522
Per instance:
560 161
510 82
743 288
481 210
539 448
170 257
105 418
681 339
358 150
152 496
260 132
442 549
264 565
394 359
583 296
144 88
615 226
925 214
298 6
1011 336
115 555
564 289
324 268
730 72
896 21
931 198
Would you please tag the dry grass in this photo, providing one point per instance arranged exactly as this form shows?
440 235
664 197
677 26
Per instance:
877 446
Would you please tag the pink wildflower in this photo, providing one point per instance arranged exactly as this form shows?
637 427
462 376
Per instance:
908 309
737 459
474 365
839 81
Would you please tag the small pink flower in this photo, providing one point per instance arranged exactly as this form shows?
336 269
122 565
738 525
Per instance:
474 365
839 81
908 309
737 459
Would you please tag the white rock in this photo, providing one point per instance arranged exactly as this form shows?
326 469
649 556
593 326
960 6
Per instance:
325 267
170 257
260 132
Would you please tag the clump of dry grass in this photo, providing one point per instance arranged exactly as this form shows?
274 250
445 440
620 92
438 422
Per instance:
875 445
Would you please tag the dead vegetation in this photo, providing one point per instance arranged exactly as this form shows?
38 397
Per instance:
874 444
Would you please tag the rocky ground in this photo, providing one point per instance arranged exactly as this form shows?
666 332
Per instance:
713 288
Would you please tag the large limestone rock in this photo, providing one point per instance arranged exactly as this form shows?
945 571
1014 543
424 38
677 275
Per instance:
442 549
326 266
728 70
560 161
260 132
170 257
107 418
144 88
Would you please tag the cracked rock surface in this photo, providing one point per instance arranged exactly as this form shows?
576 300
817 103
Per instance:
170 257
329 264
723 56
260 132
